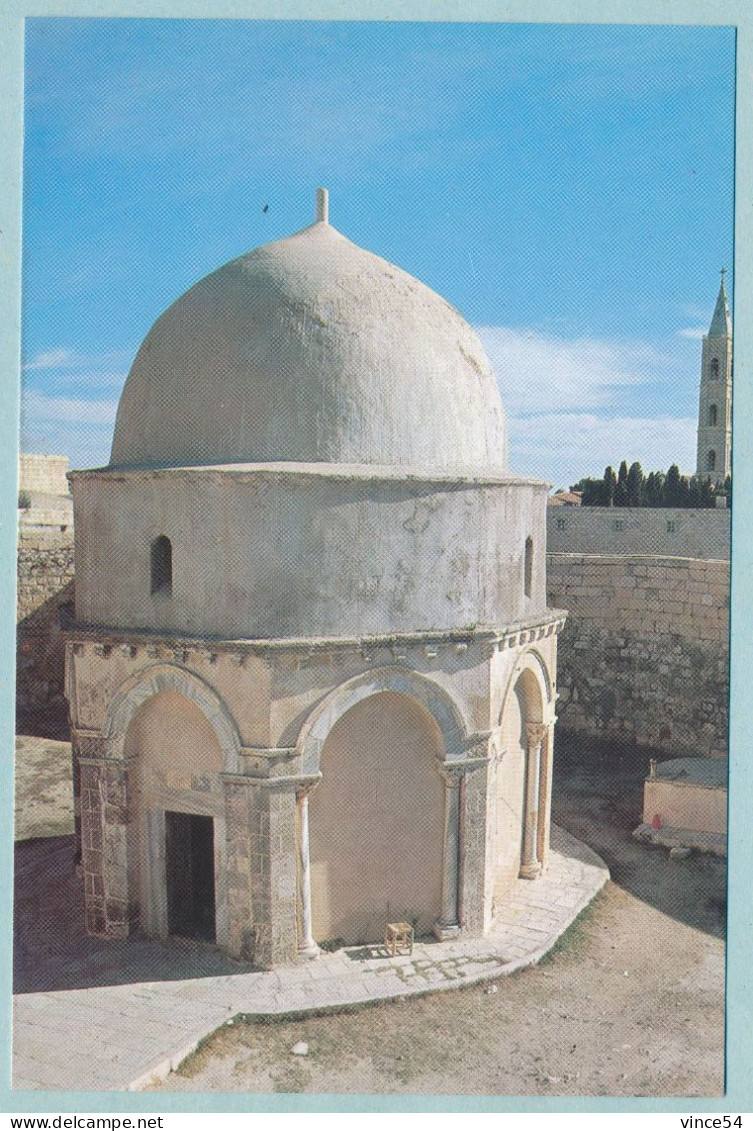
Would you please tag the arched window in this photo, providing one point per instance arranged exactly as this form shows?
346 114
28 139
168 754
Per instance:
712 414
528 568
711 461
715 367
162 565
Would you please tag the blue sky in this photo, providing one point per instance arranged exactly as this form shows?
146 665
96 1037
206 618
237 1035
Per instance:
568 188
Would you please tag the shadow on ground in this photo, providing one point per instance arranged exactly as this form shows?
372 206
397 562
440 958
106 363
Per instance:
598 790
52 950
598 797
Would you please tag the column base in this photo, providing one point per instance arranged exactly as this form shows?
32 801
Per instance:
445 931
308 951
530 871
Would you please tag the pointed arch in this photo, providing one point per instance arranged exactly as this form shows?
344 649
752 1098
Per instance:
147 683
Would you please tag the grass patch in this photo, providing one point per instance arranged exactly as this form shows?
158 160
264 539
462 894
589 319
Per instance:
214 1044
571 943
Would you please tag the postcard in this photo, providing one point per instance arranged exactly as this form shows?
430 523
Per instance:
376 496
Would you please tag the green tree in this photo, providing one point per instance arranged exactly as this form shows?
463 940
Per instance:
685 496
592 492
610 484
653 489
634 486
672 491
706 493
620 491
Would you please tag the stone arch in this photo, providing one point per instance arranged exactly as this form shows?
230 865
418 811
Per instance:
523 774
135 691
377 821
425 692
534 663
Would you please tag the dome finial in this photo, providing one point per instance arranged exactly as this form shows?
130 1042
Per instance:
322 206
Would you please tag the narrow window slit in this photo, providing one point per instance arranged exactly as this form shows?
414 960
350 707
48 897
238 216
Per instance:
162 565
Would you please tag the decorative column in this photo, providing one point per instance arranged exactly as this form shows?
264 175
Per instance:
530 865
307 947
545 798
448 926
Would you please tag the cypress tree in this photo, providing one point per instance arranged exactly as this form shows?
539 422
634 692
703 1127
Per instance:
706 493
620 491
672 490
634 485
610 484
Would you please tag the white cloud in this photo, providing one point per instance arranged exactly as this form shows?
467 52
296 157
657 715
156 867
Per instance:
50 359
72 426
564 447
694 332
99 367
538 372
46 409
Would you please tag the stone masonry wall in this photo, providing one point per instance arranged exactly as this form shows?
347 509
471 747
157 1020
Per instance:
643 656
644 653
44 474
664 531
44 601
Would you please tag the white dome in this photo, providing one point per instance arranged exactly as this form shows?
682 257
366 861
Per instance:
305 350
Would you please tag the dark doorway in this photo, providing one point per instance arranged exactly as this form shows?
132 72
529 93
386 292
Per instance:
189 856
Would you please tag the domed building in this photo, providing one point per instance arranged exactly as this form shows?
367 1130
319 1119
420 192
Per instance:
312 673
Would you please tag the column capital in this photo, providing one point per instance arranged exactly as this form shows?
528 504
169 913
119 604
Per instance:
306 787
456 769
294 783
451 777
535 733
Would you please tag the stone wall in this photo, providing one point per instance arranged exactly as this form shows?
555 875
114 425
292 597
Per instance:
644 653
665 531
44 602
43 474
643 656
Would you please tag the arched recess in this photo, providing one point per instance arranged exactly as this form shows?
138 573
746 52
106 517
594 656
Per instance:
176 806
532 661
136 690
425 692
176 818
523 775
377 821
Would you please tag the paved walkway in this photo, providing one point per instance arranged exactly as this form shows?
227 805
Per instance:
120 1037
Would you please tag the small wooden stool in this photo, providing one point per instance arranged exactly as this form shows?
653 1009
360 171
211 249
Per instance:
398 938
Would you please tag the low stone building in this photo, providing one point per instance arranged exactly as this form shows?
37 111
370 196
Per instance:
312 671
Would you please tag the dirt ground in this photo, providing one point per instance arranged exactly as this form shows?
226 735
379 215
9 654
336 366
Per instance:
630 1003
43 789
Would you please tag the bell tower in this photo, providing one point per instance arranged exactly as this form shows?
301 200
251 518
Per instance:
715 398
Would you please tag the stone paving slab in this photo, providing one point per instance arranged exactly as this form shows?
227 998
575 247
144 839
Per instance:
121 1037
